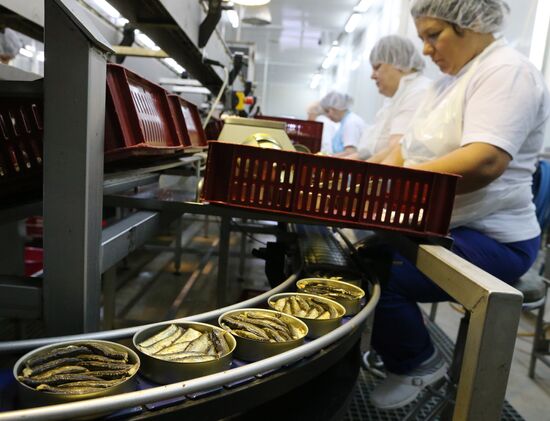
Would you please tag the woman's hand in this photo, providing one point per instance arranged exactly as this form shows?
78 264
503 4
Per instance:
345 153
478 163
353 155
391 154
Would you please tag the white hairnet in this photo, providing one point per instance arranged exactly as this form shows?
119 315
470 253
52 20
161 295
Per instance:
336 100
315 108
10 43
485 16
398 51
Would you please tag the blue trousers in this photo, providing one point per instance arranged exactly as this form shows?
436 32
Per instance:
399 334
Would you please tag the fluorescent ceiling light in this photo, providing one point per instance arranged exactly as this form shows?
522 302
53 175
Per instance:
40 56
173 64
331 56
251 2
539 40
26 53
145 40
120 22
363 6
191 90
315 81
233 17
353 21
30 48
107 8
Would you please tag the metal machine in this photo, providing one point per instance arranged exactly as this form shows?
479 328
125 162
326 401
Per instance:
255 132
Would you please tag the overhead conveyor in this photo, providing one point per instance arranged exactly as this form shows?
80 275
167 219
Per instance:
151 17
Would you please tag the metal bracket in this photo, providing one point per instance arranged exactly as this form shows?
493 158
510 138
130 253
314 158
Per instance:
20 297
123 50
209 23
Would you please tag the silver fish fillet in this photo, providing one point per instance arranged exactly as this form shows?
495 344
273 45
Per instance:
306 307
169 331
77 369
191 344
262 326
69 390
56 354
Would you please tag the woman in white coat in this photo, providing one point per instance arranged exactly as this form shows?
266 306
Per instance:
484 120
336 106
397 70
315 113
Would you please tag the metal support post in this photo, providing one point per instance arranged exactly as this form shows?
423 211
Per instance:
223 259
242 252
206 225
74 104
12 248
489 346
109 298
178 245
242 255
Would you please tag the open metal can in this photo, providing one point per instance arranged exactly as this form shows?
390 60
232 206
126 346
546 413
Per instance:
316 327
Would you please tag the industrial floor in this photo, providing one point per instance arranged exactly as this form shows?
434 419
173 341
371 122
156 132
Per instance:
149 291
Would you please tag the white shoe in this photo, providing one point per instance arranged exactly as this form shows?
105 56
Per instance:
398 390
374 364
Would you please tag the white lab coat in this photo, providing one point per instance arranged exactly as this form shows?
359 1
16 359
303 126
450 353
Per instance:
329 129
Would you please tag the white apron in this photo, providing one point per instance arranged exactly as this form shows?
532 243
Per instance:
437 130
378 137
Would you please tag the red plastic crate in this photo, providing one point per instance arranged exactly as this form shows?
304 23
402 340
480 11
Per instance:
21 129
34 260
355 193
213 128
305 132
138 120
188 121
34 226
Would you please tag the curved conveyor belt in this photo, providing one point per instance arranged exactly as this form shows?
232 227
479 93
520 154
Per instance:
110 404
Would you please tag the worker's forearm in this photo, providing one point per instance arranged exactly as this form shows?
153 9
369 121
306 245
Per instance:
345 153
393 142
477 164
393 157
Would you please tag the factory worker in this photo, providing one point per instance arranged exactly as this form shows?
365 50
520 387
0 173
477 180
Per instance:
337 107
10 43
397 70
484 120
315 113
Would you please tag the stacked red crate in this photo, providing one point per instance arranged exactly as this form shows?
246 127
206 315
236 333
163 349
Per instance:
188 122
21 131
305 132
138 121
